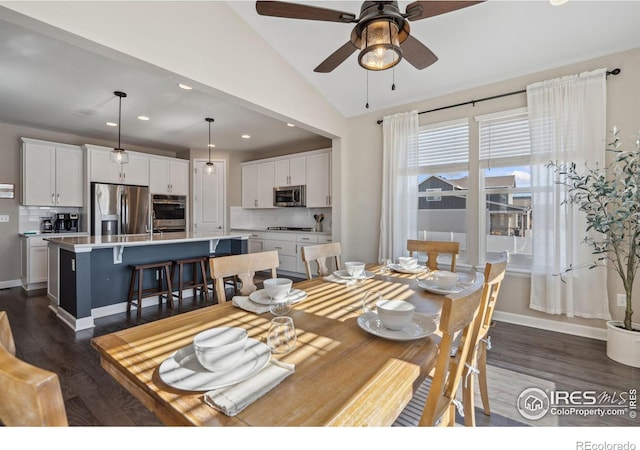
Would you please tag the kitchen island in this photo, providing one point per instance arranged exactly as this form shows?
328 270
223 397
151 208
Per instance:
90 275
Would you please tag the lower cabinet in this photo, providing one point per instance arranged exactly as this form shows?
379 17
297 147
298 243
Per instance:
34 264
53 282
285 245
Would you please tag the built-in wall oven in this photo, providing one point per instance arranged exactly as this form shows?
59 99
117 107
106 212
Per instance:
169 212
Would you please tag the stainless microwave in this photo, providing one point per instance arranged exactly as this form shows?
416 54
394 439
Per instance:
290 196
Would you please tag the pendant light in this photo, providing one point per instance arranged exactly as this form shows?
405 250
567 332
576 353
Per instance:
210 168
118 154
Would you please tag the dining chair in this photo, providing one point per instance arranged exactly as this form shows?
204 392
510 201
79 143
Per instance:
434 402
320 253
243 266
433 249
494 273
29 396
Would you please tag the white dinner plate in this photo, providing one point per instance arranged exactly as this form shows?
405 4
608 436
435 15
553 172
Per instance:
465 279
421 326
260 296
400 269
344 274
183 371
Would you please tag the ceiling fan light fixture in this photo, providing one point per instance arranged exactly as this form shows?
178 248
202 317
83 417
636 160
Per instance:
118 154
209 167
380 45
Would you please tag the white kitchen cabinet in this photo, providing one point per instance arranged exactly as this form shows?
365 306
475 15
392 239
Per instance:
255 242
102 170
168 176
301 241
34 262
291 171
52 174
286 246
319 180
257 185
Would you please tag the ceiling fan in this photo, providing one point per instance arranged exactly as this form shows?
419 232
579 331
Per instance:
382 32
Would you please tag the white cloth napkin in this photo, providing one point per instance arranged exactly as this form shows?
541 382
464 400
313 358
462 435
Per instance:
249 305
231 400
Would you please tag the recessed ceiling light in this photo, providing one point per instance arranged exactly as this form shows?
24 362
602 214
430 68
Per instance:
246 136
290 125
112 124
211 145
558 2
143 118
186 87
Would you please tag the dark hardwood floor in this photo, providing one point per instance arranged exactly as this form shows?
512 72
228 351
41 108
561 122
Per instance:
93 398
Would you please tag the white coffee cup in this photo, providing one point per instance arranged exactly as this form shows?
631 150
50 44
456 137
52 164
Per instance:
395 314
355 269
408 262
445 279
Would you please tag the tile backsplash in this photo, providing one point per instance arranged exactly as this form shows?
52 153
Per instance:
259 219
31 216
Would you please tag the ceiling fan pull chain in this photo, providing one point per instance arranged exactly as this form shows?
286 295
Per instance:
367 105
393 81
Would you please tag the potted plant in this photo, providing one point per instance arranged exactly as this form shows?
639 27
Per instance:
610 198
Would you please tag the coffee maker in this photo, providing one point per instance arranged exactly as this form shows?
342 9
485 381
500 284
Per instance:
61 224
73 222
47 224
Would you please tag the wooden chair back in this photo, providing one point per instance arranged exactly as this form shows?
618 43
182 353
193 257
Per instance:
458 316
244 267
29 396
320 253
433 249
6 337
494 273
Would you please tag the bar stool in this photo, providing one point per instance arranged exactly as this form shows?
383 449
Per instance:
229 281
197 265
137 272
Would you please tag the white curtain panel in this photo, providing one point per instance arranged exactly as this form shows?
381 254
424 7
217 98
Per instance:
567 124
399 210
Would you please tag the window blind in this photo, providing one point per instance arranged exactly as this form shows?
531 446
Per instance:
505 136
443 144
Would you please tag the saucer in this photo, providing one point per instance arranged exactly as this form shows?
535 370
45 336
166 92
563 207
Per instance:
421 326
400 269
183 371
344 274
260 296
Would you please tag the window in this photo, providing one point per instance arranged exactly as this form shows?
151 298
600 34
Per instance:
505 186
502 220
443 160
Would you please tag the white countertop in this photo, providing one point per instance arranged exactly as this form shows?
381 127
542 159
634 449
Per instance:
323 233
87 243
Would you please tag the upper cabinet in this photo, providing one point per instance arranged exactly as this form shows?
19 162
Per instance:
319 180
312 169
257 185
291 171
52 174
102 170
168 176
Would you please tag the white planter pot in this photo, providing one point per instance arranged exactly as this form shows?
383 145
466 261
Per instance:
623 345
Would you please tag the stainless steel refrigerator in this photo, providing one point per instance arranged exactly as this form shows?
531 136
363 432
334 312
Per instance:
119 209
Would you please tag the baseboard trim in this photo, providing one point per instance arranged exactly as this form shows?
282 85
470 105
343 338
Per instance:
74 323
551 325
10 284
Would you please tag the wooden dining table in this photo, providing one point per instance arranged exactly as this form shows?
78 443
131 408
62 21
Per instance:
344 375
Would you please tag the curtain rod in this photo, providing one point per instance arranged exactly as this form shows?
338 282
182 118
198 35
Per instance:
493 97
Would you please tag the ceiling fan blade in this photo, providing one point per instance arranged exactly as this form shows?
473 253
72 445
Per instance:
295 11
336 58
417 54
424 10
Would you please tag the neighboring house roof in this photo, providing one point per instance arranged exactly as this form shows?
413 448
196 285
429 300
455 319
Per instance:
504 181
